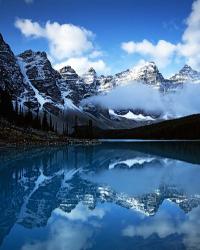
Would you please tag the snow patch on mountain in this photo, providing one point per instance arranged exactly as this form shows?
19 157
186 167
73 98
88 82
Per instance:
130 115
41 100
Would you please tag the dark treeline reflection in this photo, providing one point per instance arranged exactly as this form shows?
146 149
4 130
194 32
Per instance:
77 156
34 182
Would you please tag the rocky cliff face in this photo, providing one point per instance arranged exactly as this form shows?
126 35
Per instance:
71 85
78 88
10 73
41 74
149 74
41 81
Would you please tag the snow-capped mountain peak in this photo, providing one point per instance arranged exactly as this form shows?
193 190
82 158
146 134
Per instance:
186 68
186 74
92 70
90 77
148 74
68 73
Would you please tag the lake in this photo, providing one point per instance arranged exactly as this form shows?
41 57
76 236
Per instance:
111 196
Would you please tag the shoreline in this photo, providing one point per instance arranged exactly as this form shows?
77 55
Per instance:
76 141
67 141
149 140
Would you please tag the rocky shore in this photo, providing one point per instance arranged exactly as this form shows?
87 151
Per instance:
12 136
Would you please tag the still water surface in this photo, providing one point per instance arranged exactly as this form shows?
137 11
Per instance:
112 196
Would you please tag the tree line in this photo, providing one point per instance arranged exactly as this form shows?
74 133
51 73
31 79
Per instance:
14 113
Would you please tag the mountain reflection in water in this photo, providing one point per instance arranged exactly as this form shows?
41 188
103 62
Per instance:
107 196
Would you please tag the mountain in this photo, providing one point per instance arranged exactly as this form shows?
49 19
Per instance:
78 87
186 74
71 85
90 77
41 81
32 81
147 74
10 73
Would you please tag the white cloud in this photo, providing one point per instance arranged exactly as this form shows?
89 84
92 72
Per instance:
135 95
65 40
189 48
161 53
29 28
82 64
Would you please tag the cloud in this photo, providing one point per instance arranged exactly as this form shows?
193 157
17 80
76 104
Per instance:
82 64
136 95
161 53
65 40
29 28
189 48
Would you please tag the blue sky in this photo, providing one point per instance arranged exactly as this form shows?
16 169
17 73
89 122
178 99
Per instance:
112 24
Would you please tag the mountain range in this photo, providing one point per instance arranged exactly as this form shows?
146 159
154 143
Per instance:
34 83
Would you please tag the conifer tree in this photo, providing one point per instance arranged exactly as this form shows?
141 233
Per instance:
63 129
90 129
45 125
16 107
50 124
56 128
6 106
67 129
76 126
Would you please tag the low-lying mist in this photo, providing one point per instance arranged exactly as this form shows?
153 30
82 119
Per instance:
184 101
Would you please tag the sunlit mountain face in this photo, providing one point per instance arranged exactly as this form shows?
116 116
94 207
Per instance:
111 196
